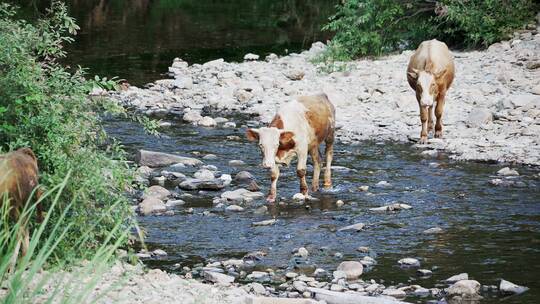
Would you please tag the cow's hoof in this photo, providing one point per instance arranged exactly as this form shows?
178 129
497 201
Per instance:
315 188
438 134
271 199
423 140
327 187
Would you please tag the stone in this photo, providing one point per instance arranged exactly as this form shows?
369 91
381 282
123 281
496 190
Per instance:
508 172
409 262
291 275
294 74
525 100
159 252
207 121
363 249
218 278
300 286
299 197
302 252
158 159
383 184
192 116
240 195
236 163
352 269
339 203
197 184
368 261
258 288
234 208
465 288
479 117
259 276
157 192
391 207
457 277
244 177
434 230
396 293
424 272
204 174
151 205
264 223
353 227
335 297
363 188
508 288
251 57
174 203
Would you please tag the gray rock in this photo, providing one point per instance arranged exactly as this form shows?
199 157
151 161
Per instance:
302 252
466 288
159 252
396 293
234 208
218 278
300 286
174 203
506 287
265 223
241 195
424 272
251 57
479 117
352 269
236 163
354 227
258 288
197 184
334 297
434 230
158 159
192 116
409 262
295 74
207 121
151 205
508 172
457 277
391 207
204 174
157 192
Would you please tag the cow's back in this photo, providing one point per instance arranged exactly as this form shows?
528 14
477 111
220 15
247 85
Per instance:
18 176
431 56
320 114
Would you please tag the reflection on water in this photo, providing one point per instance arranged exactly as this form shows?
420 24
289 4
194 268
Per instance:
489 232
137 39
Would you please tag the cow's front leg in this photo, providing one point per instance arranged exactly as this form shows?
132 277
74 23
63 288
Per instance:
314 152
329 156
430 120
439 113
274 175
424 112
301 172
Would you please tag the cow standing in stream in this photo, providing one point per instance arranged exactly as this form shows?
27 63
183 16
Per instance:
298 128
430 73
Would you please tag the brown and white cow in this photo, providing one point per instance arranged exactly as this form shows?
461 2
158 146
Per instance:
18 181
430 73
298 128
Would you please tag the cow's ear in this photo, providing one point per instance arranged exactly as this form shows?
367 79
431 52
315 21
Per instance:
440 74
28 152
413 73
252 134
286 138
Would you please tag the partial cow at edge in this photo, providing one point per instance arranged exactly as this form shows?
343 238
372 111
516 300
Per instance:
19 178
298 128
430 73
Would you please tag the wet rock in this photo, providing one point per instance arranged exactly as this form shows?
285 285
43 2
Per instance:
363 188
229 124
457 277
363 249
259 276
158 159
244 177
465 288
352 269
507 172
291 275
261 210
334 297
174 203
391 207
204 174
241 195
409 262
251 57
157 192
421 292
434 230
143 255
340 203
236 163
192 116
396 293
207 121
218 278
258 288
300 286
354 227
159 252
507 288
264 223
302 252
424 272
299 197
368 261
151 205
234 208
226 178
383 184
197 184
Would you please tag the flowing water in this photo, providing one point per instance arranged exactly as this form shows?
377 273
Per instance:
490 232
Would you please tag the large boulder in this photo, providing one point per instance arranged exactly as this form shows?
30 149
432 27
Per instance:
352 269
240 195
218 278
202 184
152 206
508 288
156 192
154 159
464 288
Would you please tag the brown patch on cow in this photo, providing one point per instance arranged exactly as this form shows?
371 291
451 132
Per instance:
286 141
252 135
18 176
320 116
277 122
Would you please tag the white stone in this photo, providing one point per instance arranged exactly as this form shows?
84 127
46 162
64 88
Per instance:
507 287
352 269
464 288
409 262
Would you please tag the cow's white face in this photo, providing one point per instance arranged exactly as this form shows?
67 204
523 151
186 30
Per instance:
426 86
270 140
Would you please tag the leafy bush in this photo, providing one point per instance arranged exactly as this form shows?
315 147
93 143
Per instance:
375 27
45 107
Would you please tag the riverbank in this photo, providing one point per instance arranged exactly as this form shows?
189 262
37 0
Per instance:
492 111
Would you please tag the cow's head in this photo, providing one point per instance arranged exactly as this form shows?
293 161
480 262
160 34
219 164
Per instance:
276 145
426 85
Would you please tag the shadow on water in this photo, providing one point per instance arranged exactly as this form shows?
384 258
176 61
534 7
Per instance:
489 232
138 39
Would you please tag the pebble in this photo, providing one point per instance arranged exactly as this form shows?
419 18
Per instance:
354 227
363 188
236 163
507 172
299 197
265 223
340 203
159 252
363 249
302 252
424 272
506 287
234 208
434 230
409 262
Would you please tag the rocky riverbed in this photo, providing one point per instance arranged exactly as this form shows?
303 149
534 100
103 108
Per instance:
492 111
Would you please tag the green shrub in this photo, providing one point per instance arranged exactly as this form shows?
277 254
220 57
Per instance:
376 27
45 107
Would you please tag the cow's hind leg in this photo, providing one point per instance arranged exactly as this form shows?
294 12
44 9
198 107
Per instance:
301 171
424 120
439 113
329 153
315 156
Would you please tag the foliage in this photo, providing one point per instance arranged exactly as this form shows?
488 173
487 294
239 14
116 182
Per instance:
25 281
376 27
45 107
